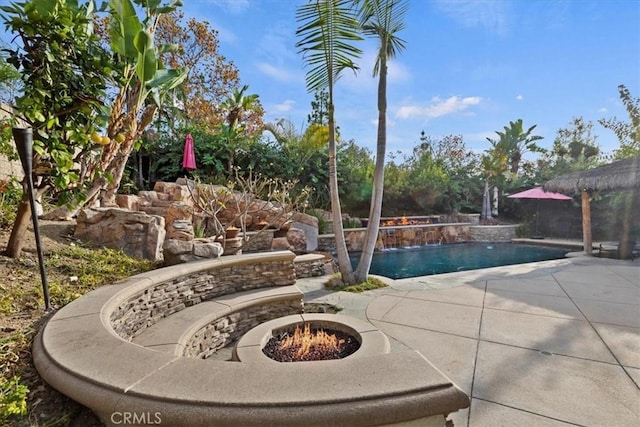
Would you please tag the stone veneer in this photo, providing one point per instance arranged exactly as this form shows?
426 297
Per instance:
493 233
420 235
314 264
146 307
400 236
228 329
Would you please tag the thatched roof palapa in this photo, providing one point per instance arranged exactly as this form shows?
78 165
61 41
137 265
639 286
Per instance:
619 175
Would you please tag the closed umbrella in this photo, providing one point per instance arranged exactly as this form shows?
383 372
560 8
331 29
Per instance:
189 155
538 193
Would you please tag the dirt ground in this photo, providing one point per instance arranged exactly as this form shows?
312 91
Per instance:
20 321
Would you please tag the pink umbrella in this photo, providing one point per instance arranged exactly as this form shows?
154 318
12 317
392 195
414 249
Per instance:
538 193
189 156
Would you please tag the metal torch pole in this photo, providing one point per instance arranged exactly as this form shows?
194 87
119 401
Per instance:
24 144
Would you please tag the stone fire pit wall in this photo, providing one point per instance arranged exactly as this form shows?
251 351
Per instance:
229 329
144 308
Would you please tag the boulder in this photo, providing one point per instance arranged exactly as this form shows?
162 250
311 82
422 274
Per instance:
137 234
310 232
297 239
208 250
280 243
177 247
127 201
180 251
302 218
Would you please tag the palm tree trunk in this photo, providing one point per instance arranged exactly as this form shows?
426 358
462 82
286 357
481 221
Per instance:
344 263
375 212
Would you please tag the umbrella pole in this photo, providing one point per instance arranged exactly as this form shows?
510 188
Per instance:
586 223
537 235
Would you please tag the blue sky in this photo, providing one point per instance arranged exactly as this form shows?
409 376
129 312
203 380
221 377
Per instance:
469 67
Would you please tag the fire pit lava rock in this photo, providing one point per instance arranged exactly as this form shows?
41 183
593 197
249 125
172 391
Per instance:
369 340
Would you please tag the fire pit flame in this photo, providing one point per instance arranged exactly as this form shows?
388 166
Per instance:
310 343
304 340
404 221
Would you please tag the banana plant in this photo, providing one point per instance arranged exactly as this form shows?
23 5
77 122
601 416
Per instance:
144 81
133 41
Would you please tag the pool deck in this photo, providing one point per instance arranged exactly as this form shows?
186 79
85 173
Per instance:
572 244
551 343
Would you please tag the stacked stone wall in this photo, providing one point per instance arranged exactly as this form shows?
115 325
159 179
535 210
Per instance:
318 265
144 309
400 236
228 329
493 233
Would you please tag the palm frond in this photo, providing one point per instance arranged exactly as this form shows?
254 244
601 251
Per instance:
326 34
383 19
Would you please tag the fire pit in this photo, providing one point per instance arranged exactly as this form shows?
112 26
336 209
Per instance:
310 337
413 220
310 344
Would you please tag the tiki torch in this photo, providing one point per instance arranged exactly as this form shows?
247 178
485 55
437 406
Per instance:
24 144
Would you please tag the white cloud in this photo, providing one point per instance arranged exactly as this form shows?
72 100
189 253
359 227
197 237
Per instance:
489 14
437 107
603 110
519 97
232 6
277 73
398 73
284 107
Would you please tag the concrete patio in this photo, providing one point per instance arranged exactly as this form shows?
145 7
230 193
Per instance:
550 343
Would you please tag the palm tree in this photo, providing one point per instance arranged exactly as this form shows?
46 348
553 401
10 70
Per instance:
238 104
505 155
382 19
514 142
327 31
236 108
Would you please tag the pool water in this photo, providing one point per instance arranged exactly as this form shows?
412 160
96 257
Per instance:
435 259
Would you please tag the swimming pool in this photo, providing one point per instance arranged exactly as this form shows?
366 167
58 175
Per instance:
436 259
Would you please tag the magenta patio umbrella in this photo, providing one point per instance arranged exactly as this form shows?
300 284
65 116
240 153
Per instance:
189 156
538 193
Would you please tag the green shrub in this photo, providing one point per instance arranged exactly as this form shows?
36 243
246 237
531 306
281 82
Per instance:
199 230
336 284
13 397
323 224
10 197
351 223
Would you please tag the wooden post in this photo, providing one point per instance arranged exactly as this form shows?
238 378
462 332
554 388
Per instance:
586 223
